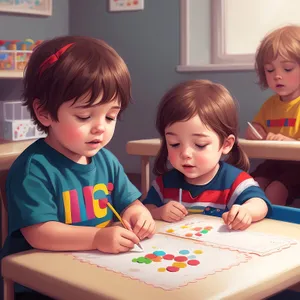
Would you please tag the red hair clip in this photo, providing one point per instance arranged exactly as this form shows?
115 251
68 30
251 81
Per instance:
53 58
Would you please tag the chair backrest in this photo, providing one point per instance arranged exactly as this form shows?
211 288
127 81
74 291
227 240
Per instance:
4 220
286 214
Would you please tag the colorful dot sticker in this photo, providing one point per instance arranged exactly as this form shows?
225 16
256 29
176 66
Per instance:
193 262
192 256
161 269
179 265
172 269
150 256
168 257
170 230
198 251
189 235
180 258
198 234
142 260
184 252
204 231
197 228
159 253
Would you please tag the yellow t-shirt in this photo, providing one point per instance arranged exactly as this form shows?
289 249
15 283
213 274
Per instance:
280 117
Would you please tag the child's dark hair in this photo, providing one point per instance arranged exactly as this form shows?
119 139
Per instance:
216 109
68 67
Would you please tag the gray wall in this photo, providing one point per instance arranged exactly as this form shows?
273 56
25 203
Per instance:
20 27
149 42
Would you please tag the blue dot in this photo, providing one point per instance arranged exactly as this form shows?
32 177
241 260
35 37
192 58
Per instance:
192 257
159 253
184 252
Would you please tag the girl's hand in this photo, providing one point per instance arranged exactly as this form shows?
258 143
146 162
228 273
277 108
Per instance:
238 218
278 137
114 239
173 211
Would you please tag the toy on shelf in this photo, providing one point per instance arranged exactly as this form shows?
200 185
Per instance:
16 123
15 54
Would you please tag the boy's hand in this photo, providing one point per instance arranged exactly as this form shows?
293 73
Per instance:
140 220
173 211
250 135
115 239
238 218
278 137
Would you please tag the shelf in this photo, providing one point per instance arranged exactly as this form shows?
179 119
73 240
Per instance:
10 150
11 74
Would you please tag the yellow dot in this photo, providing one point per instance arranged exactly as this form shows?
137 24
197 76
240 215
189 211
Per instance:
170 230
198 251
184 226
161 269
179 264
154 247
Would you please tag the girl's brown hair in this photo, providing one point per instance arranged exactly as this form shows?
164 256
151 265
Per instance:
87 66
216 109
284 41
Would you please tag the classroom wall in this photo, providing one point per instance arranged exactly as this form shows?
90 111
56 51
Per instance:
149 42
20 27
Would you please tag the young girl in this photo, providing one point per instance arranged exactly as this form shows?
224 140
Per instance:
278 68
57 190
197 122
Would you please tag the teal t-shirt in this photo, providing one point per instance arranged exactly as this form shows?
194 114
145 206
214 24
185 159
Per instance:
44 185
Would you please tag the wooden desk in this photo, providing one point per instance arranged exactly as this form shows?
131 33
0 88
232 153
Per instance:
255 149
60 276
9 151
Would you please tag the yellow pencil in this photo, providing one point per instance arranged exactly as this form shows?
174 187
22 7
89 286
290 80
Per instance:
194 210
120 219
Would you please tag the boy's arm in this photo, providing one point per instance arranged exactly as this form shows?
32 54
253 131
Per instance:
58 236
250 135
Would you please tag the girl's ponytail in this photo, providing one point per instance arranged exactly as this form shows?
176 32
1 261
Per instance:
238 157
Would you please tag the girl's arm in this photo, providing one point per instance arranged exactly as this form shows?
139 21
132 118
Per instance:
257 208
154 211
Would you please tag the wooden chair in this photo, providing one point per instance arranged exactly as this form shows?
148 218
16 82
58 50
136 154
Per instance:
8 287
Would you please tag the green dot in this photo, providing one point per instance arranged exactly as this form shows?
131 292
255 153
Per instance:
134 260
204 231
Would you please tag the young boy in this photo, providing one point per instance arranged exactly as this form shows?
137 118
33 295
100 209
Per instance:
277 65
57 190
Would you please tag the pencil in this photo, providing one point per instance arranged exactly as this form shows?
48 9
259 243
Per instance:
255 131
121 220
180 196
195 210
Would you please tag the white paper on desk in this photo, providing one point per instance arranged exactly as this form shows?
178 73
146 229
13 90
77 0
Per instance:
216 233
211 260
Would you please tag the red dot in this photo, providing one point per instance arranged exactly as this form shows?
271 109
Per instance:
103 203
198 234
172 269
168 256
110 187
193 262
150 256
180 258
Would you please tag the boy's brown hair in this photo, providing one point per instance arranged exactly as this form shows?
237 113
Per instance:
215 107
81 65
284 41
